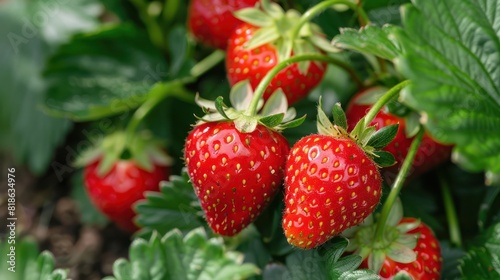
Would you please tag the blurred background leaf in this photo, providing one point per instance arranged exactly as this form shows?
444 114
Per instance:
31 30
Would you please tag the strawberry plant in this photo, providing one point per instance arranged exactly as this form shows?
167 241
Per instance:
207 139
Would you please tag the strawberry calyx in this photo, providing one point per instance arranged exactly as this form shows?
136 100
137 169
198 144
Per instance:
274 113
367 137
397 243
285 31
145 150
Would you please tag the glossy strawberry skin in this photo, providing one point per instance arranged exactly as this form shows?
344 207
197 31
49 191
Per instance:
115 193
429 155
242 64
235 175
330 185
428 263
212 21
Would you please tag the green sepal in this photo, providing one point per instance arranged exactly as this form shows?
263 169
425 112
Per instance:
358 129
272 120
253 16
274 113
324 125
412 124
277 27
276 103
272 9
221 107
339 116
262 36
365 136
323 44
383 136
400 253
396 213
376 260
406 227
402 275
245 123
383 158
240 95
293 123
142 148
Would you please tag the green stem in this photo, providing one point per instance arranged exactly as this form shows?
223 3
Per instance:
153 28
320 7
207 63
259 91
170 9
398 184
154 99
362 16
175 89
383 100
451 214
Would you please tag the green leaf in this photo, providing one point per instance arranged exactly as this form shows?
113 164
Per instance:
300 265
370 40
175 257
360 274
340 266
383 136
27 262
483 262
488 208
103 73
176 206
325 263
452 58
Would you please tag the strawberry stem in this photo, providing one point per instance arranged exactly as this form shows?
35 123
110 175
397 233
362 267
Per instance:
176 90
398 184
207 63
451 214
384 100
261 88
154 99
320 7
155 31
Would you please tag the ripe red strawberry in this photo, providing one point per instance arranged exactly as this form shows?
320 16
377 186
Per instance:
115 192
113 183
234 174
331 184
430 153
236 159
427 264
262 42
212 21
242 64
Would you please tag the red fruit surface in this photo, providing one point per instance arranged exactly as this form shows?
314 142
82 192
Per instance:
330 185
428 263
212 21
243 64
115 193
429 155
235 175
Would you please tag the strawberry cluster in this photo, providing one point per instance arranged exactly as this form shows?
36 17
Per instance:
237 159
